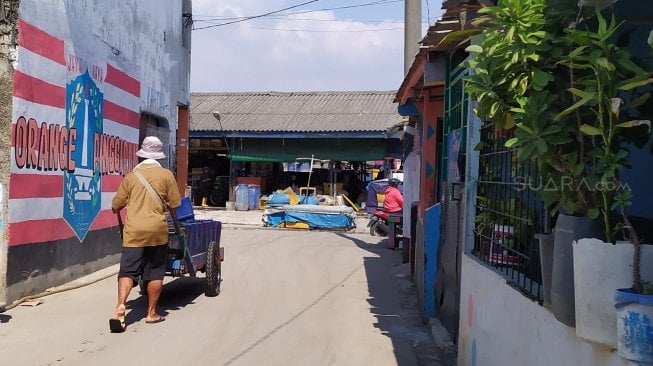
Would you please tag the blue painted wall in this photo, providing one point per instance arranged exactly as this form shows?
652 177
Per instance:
431 244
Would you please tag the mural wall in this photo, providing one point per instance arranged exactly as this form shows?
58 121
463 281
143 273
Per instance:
77 101
63 161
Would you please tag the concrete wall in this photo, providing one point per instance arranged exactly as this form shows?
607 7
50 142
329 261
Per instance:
84 74
500 326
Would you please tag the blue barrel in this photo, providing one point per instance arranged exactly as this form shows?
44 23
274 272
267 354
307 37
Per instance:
242 197
254 195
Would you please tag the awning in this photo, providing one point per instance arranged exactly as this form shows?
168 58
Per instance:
284 150
255 159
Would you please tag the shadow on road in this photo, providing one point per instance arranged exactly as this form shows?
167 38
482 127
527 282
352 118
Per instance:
4 318
393 301
175 296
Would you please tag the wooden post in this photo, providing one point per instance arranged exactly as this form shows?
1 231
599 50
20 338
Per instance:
183 131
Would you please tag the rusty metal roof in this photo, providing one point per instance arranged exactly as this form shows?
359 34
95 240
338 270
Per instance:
454 27
260 112
457 16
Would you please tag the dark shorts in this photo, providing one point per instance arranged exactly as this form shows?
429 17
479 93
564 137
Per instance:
148 263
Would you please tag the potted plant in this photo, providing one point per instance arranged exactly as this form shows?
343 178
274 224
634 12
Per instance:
634 307
563 89
510 71
519 84
605 82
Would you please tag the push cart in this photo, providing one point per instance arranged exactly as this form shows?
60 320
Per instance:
195 247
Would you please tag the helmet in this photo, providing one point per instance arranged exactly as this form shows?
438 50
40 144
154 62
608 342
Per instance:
393 182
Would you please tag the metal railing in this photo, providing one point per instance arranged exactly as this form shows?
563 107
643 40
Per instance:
508 213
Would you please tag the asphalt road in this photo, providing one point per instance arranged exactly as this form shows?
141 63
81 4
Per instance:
289 297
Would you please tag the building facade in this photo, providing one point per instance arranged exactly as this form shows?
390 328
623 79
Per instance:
85 83
269 138
476 234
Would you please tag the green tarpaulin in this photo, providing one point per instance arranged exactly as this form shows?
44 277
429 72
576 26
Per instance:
285 150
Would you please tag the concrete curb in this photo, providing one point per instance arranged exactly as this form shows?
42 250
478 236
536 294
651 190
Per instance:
75 284
443 339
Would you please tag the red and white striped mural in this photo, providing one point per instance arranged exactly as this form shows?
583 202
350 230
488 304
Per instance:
43 142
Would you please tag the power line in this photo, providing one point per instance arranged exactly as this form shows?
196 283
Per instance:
381 2
325 20
328 31
331 20
241 19
259 16
374 3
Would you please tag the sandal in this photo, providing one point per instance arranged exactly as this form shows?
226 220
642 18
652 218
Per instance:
159 319
117 324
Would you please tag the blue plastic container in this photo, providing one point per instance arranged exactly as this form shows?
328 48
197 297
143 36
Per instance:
634 326
185 211
254 195
242 197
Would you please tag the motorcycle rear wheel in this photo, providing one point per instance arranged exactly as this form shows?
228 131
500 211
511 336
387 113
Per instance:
377 229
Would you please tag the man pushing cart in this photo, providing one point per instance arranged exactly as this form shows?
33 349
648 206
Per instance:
149 251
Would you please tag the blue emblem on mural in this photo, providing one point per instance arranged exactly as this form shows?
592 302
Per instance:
82 199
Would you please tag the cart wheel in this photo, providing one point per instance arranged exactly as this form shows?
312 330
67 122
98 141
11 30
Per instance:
213 270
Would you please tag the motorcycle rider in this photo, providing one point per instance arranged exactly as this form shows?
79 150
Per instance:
393 204
394 200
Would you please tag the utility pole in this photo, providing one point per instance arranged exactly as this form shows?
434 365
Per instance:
412 31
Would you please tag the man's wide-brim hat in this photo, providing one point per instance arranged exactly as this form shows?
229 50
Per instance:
151 148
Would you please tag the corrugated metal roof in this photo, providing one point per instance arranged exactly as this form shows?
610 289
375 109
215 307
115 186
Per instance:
361 111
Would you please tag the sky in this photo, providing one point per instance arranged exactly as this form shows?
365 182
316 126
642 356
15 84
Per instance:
312 47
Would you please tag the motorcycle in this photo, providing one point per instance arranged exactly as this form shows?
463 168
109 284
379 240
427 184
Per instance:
219 195
379 225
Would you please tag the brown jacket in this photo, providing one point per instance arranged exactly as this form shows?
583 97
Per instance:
146 224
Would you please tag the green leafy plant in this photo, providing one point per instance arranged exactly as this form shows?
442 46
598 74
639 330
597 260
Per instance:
647 287
622 200
603 77
569 93
505 68
516 82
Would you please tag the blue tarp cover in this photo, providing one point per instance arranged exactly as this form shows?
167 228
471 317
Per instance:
316 216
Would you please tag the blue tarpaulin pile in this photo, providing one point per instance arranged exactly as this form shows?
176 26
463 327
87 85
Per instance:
315 216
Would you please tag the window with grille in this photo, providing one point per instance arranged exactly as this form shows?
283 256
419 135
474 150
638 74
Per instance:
508 213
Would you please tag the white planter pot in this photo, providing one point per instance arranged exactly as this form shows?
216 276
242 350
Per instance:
599 270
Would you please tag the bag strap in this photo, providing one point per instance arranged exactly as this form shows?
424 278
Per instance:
158 198
149 188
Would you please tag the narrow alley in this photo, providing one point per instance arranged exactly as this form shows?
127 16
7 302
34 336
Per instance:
288 297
